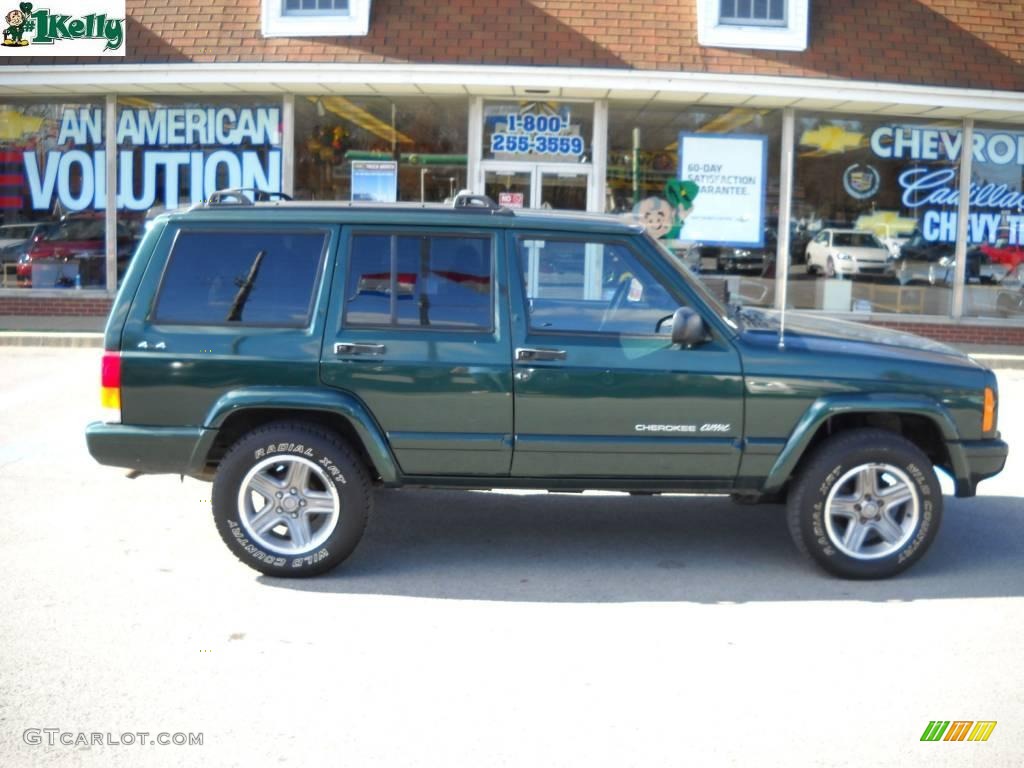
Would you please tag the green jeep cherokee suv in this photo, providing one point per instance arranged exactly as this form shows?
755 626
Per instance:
299 355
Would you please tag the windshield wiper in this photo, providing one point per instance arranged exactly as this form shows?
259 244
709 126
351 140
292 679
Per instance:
244 289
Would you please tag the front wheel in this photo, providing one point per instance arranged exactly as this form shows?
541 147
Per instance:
290 499
866 506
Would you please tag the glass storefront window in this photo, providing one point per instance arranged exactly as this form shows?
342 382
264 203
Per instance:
52 195
874 214
381 149
705 181
994 286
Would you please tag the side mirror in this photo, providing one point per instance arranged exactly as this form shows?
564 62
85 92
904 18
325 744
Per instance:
688 328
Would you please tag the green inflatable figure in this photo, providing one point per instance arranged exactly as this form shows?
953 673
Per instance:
20 22
663 217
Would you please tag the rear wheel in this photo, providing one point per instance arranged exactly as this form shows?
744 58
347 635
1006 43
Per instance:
290 499
866 506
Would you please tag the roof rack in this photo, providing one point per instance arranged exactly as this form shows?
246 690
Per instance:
476 202
247 196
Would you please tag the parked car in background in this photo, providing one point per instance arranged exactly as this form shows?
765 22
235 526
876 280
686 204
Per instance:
841 252
1010 297
1003 253
15 239
732 258
923 261
79 238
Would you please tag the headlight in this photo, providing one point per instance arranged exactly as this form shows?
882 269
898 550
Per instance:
742 254
843 256
946 261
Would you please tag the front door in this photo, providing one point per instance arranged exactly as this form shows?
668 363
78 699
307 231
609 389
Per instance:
560 186
600 390
415 331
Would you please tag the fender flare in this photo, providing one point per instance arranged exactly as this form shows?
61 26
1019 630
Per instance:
832 405
308 400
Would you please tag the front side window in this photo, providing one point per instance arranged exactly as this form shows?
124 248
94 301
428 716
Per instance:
249 278
438 282
591 286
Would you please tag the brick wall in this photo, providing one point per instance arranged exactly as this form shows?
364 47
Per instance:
957 334
962 334
962 43
54 306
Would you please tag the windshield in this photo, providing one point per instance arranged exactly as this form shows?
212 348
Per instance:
699 288
856 240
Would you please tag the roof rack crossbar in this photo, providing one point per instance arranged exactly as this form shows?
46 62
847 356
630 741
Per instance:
246 196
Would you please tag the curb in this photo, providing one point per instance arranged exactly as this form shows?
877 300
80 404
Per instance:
50 339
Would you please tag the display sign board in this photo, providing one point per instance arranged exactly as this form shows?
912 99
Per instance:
209 147
511 199
375 180
63 28
537 131
730 173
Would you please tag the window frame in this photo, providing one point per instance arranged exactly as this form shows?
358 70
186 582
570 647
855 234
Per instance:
713 31
346 325
276 22
666 284
153 318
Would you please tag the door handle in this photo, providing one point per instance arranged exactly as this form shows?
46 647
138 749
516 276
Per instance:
348 348
539 355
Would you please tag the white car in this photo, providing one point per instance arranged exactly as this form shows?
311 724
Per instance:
847 252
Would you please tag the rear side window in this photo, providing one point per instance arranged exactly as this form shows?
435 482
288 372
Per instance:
419 281
245 278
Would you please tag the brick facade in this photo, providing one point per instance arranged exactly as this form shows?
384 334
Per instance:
97 306
957 43
54 306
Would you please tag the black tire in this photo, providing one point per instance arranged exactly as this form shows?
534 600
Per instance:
817 535
337 471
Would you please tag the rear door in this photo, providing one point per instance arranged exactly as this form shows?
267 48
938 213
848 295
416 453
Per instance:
416 331
232 305
600 390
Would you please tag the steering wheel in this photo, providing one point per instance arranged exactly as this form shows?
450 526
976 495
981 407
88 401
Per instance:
618 299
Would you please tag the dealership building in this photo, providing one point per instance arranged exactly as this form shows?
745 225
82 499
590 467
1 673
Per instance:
747 134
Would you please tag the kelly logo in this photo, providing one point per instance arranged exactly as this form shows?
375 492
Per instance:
958 730
100 31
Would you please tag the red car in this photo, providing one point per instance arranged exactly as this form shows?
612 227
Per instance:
1004 253
78 238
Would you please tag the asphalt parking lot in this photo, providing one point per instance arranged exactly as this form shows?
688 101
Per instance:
484 629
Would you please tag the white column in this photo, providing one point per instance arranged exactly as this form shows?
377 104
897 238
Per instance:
288 144
475 148
960 278
785 206
599 159
110 219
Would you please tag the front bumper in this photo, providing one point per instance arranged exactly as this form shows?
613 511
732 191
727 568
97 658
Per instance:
984 459
150 450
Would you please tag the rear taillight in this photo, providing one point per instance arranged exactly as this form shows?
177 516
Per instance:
110 381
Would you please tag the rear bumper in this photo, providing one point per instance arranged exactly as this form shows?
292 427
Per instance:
151 450
984 459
